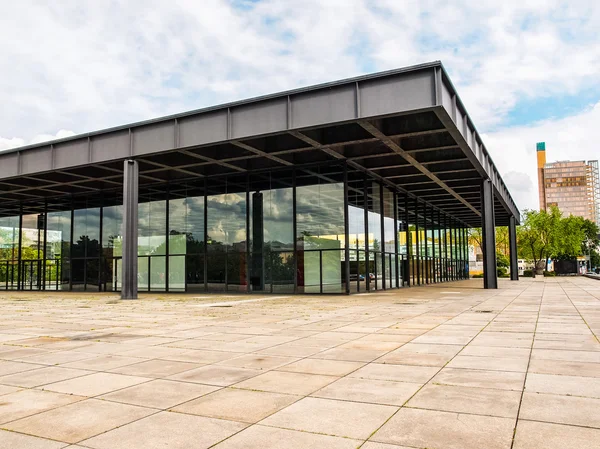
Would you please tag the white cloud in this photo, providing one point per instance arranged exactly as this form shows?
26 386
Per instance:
14 142
86 66
513 149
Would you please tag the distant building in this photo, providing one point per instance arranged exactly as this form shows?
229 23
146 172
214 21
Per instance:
525 265
572 186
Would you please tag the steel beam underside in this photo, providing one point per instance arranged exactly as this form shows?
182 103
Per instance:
406 127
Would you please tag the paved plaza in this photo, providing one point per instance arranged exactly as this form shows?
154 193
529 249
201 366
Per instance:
449 366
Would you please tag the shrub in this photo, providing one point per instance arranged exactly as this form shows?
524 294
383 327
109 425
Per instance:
477 275
549 274
528 273
501 272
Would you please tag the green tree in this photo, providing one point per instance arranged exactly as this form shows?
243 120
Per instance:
502 241
538 237
594 258
548 235
502 263
475 238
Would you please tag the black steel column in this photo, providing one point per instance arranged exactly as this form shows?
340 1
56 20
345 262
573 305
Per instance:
72 229
466 245
466 237
396 252
433 264
445 261
418 242
462 253
426 256
294 231
367 249
45 245
167 243
205 264
19 250
129 265
250 241
452 252
346 232
408 243
512 239
257 278
382 243
101 255
490 275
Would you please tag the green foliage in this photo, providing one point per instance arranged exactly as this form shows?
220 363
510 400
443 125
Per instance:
502 264
594 258
502 261
528 273
478 275
548 235
502 241
475 238
549 274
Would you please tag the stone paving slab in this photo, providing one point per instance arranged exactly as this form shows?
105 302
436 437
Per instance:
440 367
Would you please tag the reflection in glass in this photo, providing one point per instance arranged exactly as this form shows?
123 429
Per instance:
226 237
58 250
9 253
321 235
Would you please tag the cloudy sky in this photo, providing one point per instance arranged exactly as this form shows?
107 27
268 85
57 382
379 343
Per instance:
527 70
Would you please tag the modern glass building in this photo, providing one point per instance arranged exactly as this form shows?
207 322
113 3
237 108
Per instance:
359 185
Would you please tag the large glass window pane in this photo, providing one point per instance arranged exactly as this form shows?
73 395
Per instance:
356 214
375 238
86 232
279 271
194 272
388 221
32 248
186 225
158 270
226 233
32 235
320 227
152 232
374 199
186 234
9 241
177 273
58 249
112 231
92 274
216 269
413 259
143 273
272 231
356 229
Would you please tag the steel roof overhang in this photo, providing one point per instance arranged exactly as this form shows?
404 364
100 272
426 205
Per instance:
407 127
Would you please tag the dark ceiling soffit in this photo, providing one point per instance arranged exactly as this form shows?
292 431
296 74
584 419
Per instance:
439 110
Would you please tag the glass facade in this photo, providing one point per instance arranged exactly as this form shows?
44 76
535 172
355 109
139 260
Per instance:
322 229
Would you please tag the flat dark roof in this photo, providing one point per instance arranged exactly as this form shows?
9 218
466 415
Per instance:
407 127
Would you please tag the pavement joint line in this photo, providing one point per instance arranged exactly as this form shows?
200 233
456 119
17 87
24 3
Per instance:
352 316
581 316
346 375
541 300
496 293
